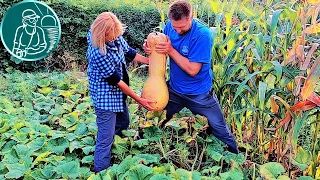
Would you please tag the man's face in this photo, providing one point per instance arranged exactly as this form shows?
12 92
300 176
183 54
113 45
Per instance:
31 21
182 26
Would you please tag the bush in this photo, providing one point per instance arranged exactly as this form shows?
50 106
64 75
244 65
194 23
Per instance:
75 22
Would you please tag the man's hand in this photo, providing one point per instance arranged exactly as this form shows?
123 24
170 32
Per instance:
146 48
164 47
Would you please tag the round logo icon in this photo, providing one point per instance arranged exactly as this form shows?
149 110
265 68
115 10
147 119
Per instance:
30 30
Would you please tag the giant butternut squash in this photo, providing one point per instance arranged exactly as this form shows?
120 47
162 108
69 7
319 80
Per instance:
155 87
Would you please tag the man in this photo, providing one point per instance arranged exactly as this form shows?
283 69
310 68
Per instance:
190 83
29 38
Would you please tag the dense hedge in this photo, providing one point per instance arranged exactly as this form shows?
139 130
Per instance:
75 22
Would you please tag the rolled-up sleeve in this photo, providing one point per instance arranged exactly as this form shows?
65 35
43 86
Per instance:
130 54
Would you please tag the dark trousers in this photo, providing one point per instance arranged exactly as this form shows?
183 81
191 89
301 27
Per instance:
109 123
206 105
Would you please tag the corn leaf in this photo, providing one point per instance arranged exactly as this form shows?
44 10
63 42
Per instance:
291 54
313 29
259 44
312 79
274 106
281 100
228 17
274 21
303 106
262 94
315 98
243 84
312 1
307 61
215 6
250 14
285 120
278 69
313 11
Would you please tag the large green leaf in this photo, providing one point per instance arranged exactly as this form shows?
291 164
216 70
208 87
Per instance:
302 159
58 110
148 158
214 154
20 137
234 174
45 172
82 107
16 170
152 133
163 169
305 178
120 145
183 174
238 158
87 159
58 146
42 158
69 169
36 144
138 172
44 83
75 144
211 170
160 177
43 104
271 170
81 129
22 150
68 121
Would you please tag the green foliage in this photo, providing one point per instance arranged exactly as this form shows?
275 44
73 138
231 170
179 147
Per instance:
271 170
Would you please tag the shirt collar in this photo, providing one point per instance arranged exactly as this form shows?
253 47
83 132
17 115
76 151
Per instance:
113 45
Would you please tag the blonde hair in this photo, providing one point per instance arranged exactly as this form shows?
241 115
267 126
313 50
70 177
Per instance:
105 28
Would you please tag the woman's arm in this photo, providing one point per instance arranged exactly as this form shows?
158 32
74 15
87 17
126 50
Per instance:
132 55
141 59
125 89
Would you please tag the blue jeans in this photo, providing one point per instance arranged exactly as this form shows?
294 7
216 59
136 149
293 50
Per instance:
109 123
206 105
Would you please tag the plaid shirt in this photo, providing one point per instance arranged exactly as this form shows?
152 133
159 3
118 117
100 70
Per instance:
103 95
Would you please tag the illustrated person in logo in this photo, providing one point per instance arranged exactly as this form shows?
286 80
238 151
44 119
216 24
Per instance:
29 38
190 83
108 54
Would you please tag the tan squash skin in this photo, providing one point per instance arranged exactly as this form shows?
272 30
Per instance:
155 87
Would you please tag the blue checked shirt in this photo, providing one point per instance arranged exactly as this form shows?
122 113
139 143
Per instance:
103 95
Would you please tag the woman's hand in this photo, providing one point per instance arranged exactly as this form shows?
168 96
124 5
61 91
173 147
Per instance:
146 103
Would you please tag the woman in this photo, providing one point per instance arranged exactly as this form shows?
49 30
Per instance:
109 82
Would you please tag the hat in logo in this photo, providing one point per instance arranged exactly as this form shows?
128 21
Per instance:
29 14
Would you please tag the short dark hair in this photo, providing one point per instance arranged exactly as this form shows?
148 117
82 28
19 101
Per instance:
179 10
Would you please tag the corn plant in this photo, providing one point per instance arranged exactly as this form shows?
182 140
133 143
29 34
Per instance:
261 62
